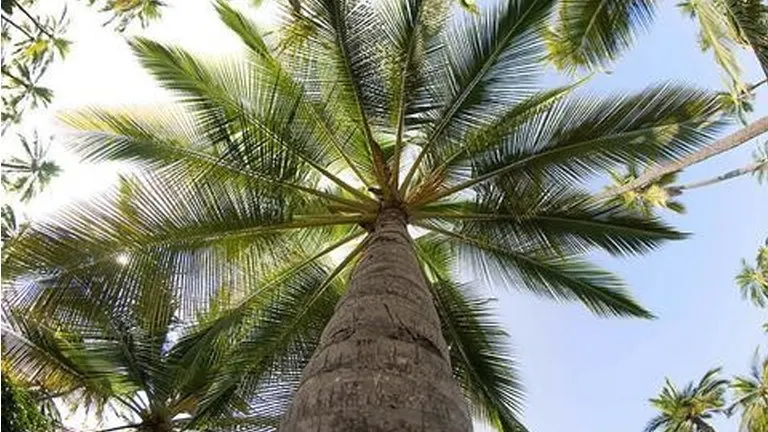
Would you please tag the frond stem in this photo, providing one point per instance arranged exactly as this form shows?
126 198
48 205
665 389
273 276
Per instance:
353 205
377 156
34 21
401 109
308 223
513 165
456 104
17 27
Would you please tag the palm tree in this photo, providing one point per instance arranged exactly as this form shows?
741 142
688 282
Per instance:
405 144
591 34
635 192
158 359
645 200
753 280
29 174
751 393
689 410
757 168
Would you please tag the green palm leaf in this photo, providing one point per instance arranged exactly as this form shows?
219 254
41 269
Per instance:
478 345
29 174
479 54
560 278
750 396
592 33
691 408
209 274
716 34
573 140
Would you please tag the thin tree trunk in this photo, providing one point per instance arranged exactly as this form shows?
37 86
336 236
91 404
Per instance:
733 140
382 363
702 426
677 190
119 428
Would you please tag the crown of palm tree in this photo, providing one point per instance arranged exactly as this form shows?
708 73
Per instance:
27 175
689 409
751 394
753 280
352 108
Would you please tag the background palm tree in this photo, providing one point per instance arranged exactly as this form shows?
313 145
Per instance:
591 34
661 175
31 172
356 125
751 394
753 280
646 200
25 176
689 409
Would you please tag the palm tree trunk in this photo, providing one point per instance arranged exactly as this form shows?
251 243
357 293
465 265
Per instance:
702 426
756 166
733 140
382 363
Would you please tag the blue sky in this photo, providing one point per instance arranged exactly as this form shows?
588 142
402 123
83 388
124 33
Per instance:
582 373
587 374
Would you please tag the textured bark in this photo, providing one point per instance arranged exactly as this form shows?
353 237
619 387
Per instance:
382 363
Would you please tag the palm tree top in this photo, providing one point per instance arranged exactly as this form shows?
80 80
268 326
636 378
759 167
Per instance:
690 408
31 172
751 396
354 108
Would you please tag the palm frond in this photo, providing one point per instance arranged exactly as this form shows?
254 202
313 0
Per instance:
592 33
228 95
450 158
349 49
352 151
411 27
563 278
172 141
577 139
717 34
478 346
749 18
553 217
281 341
481 56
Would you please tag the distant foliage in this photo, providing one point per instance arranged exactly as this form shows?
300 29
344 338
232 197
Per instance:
649 199
691 408
29 173
753 279
750 396
124 12
20 412
32 41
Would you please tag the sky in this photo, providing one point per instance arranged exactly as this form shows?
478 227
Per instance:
582 373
